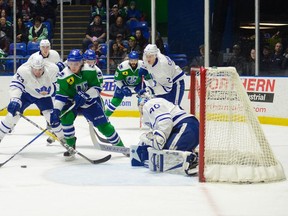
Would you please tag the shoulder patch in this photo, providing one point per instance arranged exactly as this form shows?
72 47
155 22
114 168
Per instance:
125 73
120 66
70 80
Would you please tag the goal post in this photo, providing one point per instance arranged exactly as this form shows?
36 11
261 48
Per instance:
232 147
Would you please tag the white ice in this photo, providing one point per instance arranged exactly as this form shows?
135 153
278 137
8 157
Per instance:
49 186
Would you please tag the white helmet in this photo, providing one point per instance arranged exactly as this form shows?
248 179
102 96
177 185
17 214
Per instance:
44 42
151 49
37 62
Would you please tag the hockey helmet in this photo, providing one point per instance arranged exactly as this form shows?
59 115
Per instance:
37 62
151 49
89 55
133 55
75 55
44 43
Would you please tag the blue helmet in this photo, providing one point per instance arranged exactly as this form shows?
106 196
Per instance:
133 55
89 55
75 55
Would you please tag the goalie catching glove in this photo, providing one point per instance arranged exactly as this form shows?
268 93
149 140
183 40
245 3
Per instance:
156 139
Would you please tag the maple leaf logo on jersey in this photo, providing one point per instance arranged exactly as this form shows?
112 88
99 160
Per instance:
125 73
70 81
44 90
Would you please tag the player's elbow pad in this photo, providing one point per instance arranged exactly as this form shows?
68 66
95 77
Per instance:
159 139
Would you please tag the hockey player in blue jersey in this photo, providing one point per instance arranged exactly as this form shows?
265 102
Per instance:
163 77
172 139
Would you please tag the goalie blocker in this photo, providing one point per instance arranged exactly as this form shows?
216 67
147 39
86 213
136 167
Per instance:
171 161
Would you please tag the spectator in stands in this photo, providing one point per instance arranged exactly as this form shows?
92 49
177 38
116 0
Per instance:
5 27
120 44
21 31
133 46
250 71
122 9
9 11
119 28
140 39
265 60
3 5
9 20
96 31
38 31
114 14
4 43
198 61
278 61
116 56
97 48
25 10
237 60
47 13
133 13
98 9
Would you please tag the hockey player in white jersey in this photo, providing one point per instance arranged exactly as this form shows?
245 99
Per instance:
46 52
172 140
164 78
33 83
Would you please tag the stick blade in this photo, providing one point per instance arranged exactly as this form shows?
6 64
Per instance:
102 160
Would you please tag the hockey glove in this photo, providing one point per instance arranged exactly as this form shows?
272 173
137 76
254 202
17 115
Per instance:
142 72
14 106
55 118
146 139
126 91
80 99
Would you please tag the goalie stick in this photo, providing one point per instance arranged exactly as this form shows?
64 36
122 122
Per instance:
106 146
97 161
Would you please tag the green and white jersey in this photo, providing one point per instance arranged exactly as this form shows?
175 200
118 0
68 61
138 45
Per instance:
68 84
126 76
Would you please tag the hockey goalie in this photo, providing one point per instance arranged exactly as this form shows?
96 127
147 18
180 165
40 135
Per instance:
169 145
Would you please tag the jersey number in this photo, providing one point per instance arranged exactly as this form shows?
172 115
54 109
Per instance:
155 106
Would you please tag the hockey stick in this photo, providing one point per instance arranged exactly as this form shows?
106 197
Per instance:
3 108
2 164
107 146
53 135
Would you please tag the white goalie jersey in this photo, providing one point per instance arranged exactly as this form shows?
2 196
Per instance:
160 114
25 82
164 73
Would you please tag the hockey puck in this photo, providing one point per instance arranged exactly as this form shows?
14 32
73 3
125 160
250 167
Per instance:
23 166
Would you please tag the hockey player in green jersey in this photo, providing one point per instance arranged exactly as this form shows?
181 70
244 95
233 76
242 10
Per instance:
78 83
127 80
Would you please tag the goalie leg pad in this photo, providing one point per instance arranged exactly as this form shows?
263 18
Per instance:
171 161
138 155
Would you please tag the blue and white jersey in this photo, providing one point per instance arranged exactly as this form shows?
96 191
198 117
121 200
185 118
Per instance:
160 114
53 56
164 73
24 81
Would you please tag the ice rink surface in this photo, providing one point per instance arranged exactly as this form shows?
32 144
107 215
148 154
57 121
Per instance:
50 186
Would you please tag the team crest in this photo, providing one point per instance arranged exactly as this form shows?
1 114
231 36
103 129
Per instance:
70 81
125 73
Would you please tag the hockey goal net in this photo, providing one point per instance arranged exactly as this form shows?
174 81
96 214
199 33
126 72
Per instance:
233 147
